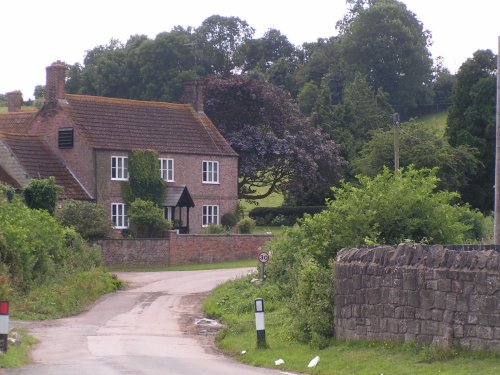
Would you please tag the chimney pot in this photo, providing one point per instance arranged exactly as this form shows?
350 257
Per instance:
14 101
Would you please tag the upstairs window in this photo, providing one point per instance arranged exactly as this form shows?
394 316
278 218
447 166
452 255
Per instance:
210 172
167 169
119 168
65 138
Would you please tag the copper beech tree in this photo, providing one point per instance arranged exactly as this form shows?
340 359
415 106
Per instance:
280 151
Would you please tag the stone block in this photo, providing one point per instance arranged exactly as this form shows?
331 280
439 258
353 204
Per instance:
409 280
496 333
413 326
458 331
472 318
424 339
413 299
460 318
440 300
428 327
374 296
437 315
483 332
462 304
457 286
469 287
451 301
431 284
444 285
426 299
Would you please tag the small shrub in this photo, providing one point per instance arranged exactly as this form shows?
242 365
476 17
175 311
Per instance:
89 219
246 225
229 220
214 229
146 220
8 191
42 194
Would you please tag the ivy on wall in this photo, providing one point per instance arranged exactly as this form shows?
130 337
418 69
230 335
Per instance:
144 180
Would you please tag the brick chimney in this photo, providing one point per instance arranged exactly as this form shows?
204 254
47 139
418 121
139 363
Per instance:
14 101
54 89
193 94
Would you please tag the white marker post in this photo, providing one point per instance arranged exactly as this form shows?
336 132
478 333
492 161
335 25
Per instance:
4 325
260 324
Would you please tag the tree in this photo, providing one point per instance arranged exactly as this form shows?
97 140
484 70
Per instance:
277 146
471 121
220 39
42 194
385 41
423 148
146 219
89 219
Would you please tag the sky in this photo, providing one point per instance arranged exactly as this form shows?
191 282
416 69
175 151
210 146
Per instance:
36 33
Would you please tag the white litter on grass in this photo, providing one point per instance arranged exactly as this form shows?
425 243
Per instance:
243 352
313 362
279 362
206 322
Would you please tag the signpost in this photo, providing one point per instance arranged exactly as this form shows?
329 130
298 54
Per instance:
263 259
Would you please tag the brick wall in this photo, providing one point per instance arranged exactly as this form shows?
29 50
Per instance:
181 249
430 294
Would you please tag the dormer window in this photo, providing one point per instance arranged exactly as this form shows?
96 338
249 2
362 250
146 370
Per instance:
65 138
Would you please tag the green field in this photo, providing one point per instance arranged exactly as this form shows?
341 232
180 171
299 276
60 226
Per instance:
436 121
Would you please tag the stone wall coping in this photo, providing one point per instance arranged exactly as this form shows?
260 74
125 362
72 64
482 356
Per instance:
434 256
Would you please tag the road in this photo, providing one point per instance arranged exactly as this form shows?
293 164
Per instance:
145 329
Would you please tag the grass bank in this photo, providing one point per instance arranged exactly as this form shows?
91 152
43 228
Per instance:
66 295
18 349
232 303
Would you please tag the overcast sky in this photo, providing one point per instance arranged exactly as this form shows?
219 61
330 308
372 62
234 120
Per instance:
36 33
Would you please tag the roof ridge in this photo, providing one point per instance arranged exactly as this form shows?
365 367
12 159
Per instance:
106 99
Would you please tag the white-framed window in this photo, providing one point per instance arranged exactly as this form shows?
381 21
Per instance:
167 169
210 172
168 213
210 215
119 168
119 215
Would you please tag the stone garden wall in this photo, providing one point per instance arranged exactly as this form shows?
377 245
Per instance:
430 294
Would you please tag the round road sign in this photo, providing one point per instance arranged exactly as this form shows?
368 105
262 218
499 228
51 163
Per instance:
263 257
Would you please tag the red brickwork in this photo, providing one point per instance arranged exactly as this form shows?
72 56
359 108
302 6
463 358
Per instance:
181 249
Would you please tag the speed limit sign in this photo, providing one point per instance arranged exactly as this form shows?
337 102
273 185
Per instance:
263 257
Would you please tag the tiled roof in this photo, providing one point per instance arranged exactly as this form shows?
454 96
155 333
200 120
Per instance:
16 122
123 124
39 161
178 196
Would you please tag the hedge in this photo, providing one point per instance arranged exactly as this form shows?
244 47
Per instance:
286 215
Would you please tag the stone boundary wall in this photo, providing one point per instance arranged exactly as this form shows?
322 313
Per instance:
179 249
448 295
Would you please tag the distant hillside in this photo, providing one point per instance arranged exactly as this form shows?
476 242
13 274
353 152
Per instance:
435 121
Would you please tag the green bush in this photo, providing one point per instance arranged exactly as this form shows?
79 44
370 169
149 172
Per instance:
214 229
34 243
312 304
89 219
8 191
41 194
229 220
286 215
246 225
146 220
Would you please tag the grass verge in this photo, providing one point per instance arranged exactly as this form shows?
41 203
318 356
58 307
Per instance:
232 303
187 267
18 351
66 295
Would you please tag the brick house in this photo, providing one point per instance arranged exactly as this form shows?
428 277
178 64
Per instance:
87 140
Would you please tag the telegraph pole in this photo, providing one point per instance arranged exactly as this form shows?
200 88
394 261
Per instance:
496 229
395 123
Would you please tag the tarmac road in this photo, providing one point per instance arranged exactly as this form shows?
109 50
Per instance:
145 329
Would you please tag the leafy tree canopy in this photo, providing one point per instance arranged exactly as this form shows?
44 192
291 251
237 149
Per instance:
421 147
276 144
385 41
471 121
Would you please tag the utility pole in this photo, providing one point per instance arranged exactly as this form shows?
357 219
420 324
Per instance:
395 123
496 229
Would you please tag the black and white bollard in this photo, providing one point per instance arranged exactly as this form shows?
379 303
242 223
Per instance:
4 325
259 323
